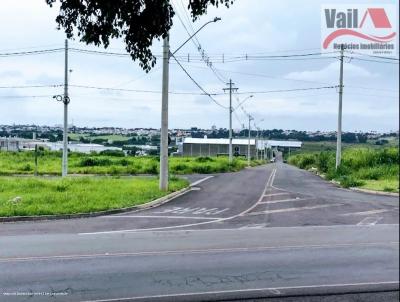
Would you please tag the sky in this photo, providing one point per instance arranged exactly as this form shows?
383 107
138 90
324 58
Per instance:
250 27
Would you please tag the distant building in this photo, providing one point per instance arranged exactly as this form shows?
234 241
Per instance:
220 146
216 147
22 144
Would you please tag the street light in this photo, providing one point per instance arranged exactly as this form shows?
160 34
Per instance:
250 96
164 106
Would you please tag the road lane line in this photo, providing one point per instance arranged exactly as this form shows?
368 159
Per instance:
275 194
285 200
295 209
197 251
161 216
160 230
369 221
267 185
201 180
272 290
365 212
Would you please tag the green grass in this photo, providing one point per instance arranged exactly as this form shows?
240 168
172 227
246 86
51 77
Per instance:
114 137
386 185
49 163
47 196
360 166
310 147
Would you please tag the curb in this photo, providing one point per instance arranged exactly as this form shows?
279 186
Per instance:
355 189
375 192
151 204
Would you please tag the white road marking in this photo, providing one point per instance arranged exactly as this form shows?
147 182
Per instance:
197 251
254 226
160 230
284 200
273 290
295 209
267 185
201 180
365 213
274 194
161 216
194 211
369 221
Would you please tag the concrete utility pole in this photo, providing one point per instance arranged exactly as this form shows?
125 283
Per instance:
65 101
163 185
248 147
230 84
339 131
164 118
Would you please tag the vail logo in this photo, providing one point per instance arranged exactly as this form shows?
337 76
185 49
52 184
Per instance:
355 23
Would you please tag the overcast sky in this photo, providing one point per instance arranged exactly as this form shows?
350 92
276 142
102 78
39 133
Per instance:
249 26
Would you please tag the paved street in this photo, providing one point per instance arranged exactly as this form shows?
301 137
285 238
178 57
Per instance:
269 231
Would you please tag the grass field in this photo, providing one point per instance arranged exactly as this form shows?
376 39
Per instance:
25 196
375 169
331 146
113 137
49 163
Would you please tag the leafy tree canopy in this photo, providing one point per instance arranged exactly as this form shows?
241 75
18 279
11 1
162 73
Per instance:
137 22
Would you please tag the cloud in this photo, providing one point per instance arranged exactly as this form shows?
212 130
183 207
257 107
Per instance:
331 73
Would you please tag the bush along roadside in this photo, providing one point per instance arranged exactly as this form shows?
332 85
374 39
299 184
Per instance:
49 163
375 169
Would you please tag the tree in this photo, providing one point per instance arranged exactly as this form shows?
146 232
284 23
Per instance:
138 22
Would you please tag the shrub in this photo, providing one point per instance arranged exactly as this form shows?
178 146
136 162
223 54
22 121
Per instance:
93 161
203 169
347 181
180 167
117 153
306 161
204 159
124 162
27 167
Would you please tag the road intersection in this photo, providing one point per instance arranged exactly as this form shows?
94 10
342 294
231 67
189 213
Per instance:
267 231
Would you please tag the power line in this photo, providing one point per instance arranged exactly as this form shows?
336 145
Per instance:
134 90
288 90
203 57
31 86
25 96
371 60
197 84
33 52
374 56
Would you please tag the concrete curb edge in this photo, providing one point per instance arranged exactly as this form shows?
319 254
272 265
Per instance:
151 204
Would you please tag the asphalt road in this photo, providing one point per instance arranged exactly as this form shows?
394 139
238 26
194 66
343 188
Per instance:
272 232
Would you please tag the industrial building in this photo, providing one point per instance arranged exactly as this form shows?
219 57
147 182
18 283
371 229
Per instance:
220 146
216 147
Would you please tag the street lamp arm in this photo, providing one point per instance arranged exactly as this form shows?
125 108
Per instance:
242 102
184 43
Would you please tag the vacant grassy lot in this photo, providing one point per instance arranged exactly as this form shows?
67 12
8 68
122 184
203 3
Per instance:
12 163
376 169
25 196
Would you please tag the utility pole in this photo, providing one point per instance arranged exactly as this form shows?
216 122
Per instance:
164 118
339 131
65 101
167 54
230 84
248 147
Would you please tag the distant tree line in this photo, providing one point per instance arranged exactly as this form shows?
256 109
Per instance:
279 134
